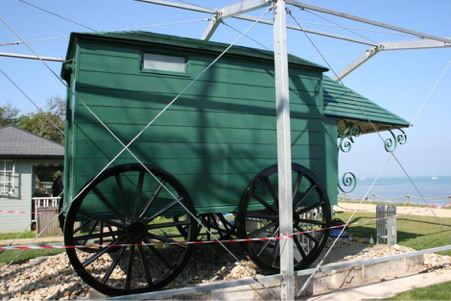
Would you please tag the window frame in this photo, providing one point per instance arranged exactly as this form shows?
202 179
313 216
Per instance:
186 73
11 183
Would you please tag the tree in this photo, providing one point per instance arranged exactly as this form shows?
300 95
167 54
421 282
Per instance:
48 124
9 115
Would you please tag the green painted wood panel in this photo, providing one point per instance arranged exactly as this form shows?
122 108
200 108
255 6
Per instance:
214 139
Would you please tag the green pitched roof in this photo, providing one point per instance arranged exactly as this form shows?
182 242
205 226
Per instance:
339 101
183 42
342 102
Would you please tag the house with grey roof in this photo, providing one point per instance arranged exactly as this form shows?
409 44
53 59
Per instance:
27 166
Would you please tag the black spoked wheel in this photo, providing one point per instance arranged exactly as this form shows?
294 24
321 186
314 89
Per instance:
123 229
220 225
258 217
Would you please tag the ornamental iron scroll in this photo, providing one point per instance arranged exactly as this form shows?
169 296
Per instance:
348 182
392 142
347 130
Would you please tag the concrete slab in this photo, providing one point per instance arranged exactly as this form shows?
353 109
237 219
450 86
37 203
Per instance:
386 289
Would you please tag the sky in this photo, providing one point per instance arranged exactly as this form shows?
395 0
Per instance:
399 80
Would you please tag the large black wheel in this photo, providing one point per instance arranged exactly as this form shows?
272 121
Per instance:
258 217
123 229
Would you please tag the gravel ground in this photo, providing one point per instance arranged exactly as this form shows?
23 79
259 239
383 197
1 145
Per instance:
53 277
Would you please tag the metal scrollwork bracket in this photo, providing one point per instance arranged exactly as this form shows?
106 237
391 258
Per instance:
347 130
348 182
392 142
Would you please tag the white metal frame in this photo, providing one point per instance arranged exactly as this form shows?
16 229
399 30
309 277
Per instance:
281 82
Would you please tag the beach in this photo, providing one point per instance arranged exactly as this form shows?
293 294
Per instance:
408 210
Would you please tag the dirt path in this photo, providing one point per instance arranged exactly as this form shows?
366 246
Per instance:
423 211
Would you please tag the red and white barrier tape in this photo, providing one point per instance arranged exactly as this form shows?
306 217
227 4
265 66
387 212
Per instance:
200 242
13 211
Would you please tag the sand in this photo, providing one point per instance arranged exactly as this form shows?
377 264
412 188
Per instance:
422 211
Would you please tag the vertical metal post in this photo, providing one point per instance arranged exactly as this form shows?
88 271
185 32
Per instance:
283 150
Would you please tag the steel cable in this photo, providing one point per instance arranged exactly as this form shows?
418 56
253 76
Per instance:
372 184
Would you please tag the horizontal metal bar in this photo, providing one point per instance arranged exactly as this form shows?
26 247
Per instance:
350 264
266 279
180 5
417 44
242 7
367 21
199 288
250 18
315 32
32 57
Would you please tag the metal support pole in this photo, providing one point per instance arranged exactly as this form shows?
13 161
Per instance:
283 150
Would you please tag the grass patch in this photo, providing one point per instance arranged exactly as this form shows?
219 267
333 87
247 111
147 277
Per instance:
440 291
25 255
26 234
418 232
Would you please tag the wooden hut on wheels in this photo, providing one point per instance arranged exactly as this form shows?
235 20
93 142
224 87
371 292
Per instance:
212 152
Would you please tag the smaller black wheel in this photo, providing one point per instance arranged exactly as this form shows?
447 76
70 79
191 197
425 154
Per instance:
220 225
258 217
123 229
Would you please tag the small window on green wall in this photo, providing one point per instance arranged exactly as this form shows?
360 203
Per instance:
164 63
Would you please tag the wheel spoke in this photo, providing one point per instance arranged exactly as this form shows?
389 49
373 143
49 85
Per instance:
145 265
91 231
305 233
262 229
296 185
105 221
98 235
306 193
271 190
99 253
83 224
108 204
101 233
158 254
300 248
258 215
113 265
167 225
164 239
111 230
265 245
264 203
162 210
275 252
120 186
139 189
152 198
128 280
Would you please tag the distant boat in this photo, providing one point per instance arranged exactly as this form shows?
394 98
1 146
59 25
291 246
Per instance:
434 178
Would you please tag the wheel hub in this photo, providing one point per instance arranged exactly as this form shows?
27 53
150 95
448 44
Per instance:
136 231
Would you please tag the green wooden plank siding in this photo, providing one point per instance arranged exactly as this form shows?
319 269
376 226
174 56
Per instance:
214 139
343 102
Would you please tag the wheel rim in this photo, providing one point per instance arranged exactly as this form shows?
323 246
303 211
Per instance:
259 218
124 219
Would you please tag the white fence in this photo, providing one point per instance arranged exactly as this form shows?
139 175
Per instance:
44 202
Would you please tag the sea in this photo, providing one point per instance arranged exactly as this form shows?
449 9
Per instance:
435 190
